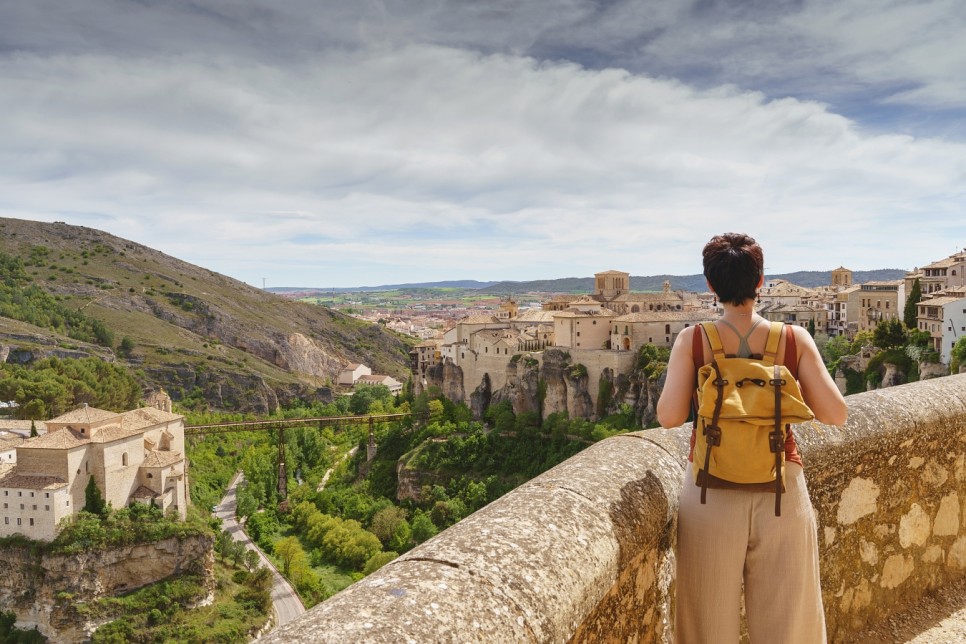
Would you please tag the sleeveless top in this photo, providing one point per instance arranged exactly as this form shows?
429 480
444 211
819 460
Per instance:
790 360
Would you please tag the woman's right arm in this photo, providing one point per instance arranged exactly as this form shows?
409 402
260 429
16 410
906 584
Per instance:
820 391
674 405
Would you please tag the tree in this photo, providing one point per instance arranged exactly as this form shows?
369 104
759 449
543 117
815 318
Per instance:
423 527
251 560
33 429
889 334
958 355
289 551
34 410
126 347
909 312
377 561
93 501
811 327
386 521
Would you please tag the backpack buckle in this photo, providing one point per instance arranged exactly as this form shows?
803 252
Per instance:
713 434
776 441
781 382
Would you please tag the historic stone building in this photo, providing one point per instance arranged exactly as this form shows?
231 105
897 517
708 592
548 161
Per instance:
134 456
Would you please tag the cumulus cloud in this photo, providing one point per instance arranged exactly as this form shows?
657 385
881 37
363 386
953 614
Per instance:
363 147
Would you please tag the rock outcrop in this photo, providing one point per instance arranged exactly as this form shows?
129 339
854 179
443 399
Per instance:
43 589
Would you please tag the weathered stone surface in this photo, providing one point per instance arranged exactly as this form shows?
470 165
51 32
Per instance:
858 500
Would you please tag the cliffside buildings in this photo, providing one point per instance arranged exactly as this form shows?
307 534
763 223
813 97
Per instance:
605 330
942 310
135 456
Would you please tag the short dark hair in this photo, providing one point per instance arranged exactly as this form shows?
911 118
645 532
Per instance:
733 264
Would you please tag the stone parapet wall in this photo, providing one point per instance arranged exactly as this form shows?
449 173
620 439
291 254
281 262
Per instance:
584 552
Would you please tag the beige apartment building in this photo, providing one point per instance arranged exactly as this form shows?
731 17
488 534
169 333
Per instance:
135 456
878 302
948 273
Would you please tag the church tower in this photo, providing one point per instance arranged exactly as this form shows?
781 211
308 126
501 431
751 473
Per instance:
841 278
610 284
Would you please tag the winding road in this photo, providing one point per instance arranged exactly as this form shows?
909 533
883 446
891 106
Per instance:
285 601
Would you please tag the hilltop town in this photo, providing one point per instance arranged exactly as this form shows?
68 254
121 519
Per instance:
604 330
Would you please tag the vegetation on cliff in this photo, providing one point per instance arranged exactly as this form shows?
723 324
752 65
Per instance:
169 611
21 299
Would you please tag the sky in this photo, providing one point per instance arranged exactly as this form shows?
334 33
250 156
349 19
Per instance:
333 143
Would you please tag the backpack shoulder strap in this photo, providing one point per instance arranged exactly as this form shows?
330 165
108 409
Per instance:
771 344
697 349
714 340
791 352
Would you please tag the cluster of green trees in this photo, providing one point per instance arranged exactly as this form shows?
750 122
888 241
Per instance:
21 299
47 388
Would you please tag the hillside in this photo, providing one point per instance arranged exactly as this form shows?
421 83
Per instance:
195 332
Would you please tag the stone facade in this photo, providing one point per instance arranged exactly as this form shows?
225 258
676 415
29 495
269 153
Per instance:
133 456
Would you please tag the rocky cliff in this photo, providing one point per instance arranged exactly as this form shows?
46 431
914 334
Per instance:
43 590
551 382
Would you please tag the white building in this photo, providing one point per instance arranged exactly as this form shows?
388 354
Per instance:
137 455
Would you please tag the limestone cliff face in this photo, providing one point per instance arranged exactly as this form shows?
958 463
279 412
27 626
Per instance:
42 589
551 384
449 378
522 386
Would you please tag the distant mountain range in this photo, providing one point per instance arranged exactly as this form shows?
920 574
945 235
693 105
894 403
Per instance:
462 284
696 283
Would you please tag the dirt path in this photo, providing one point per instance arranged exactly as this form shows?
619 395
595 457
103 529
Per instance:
328 472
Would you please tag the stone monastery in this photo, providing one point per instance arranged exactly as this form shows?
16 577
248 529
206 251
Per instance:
135 456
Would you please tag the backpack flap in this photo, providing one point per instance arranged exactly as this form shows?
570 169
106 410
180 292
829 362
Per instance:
748 394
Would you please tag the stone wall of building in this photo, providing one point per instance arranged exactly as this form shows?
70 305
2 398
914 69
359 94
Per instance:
585 552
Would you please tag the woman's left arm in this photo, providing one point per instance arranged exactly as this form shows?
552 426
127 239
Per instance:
674 405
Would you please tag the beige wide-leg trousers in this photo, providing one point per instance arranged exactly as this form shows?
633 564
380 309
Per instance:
736 536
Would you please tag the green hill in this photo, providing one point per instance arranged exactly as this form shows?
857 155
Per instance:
195 332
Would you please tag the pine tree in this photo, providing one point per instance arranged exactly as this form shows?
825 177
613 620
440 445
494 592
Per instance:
33 429
93 501
909 313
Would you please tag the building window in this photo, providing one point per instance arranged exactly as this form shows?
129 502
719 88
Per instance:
31 522
6 520
19 493
124 458
21 506
578 335
35 506
46 495
19 520
31 494
151 476
47 507
594 322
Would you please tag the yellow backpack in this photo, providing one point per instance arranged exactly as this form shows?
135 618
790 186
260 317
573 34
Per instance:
744 407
